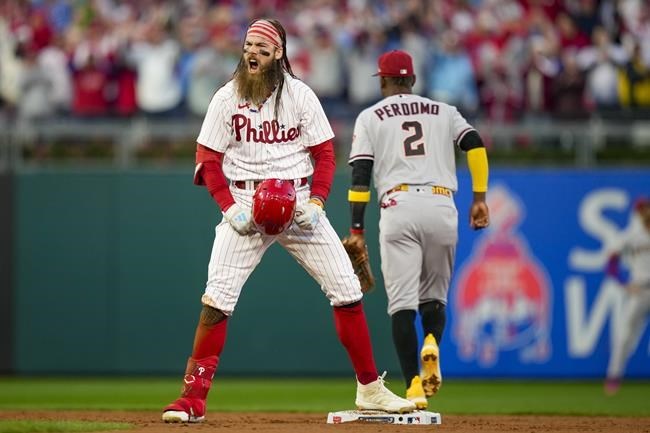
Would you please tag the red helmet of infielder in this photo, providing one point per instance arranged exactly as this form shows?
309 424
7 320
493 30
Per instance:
274 204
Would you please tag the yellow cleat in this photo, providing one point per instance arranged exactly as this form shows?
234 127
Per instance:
430 373
415 393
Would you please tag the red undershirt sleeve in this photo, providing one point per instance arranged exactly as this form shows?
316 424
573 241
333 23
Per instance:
324 168
209 172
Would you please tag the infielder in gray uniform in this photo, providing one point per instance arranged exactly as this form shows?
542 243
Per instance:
407 144
634 248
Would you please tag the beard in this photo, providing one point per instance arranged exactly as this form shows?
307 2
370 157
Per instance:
256 88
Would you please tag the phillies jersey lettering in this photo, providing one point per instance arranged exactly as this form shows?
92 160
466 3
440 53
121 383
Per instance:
266 132
401 134
261 146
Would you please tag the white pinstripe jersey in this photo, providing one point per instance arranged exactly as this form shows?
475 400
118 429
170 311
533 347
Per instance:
411 140
256 146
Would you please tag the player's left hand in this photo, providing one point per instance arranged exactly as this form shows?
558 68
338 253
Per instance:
308 214
479 215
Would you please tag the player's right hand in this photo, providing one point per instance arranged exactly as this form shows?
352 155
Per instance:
240 219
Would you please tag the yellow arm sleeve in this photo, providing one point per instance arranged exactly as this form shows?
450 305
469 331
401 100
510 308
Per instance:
623 88
478 168
358 196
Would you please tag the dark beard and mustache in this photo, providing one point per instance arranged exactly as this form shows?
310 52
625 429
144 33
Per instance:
257 88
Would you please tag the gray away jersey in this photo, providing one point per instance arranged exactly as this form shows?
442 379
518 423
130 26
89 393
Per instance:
411 140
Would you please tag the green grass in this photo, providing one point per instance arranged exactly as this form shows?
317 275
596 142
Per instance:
323 395
14 426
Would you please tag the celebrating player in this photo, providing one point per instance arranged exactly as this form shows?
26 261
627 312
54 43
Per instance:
261 131
406 143
634 247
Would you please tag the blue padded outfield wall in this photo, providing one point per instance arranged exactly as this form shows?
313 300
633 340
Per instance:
109 267
530 297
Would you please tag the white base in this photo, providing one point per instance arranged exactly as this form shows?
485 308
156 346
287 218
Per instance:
422 417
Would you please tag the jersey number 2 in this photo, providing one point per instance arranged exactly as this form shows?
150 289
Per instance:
413 144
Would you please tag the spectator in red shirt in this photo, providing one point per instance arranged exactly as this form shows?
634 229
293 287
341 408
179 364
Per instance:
41 31
89 82
569 33
124 81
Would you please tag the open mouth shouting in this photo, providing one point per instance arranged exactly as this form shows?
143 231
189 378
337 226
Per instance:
253 65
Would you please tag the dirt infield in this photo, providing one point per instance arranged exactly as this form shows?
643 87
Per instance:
149 422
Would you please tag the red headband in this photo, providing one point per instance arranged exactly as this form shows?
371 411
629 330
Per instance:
265 29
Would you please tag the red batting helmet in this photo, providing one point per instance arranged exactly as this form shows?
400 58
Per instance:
274 203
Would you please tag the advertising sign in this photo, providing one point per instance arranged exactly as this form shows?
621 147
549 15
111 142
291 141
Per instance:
530 296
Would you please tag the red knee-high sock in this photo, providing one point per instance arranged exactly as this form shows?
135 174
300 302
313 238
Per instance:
352 329
208 344
209 339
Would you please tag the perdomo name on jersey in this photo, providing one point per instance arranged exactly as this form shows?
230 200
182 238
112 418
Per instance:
402 109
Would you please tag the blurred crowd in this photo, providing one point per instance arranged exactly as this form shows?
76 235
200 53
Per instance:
500 60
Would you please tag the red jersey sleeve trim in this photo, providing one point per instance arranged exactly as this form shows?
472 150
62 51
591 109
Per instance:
209 172
324 168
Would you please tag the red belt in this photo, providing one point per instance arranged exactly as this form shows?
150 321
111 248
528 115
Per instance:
253 184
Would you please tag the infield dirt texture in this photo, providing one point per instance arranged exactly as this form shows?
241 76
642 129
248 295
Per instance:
149 422
285 405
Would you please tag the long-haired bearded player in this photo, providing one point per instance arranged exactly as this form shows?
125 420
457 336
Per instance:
266 124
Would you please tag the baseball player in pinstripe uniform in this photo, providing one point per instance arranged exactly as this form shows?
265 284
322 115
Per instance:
634 248
407 144
266 124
